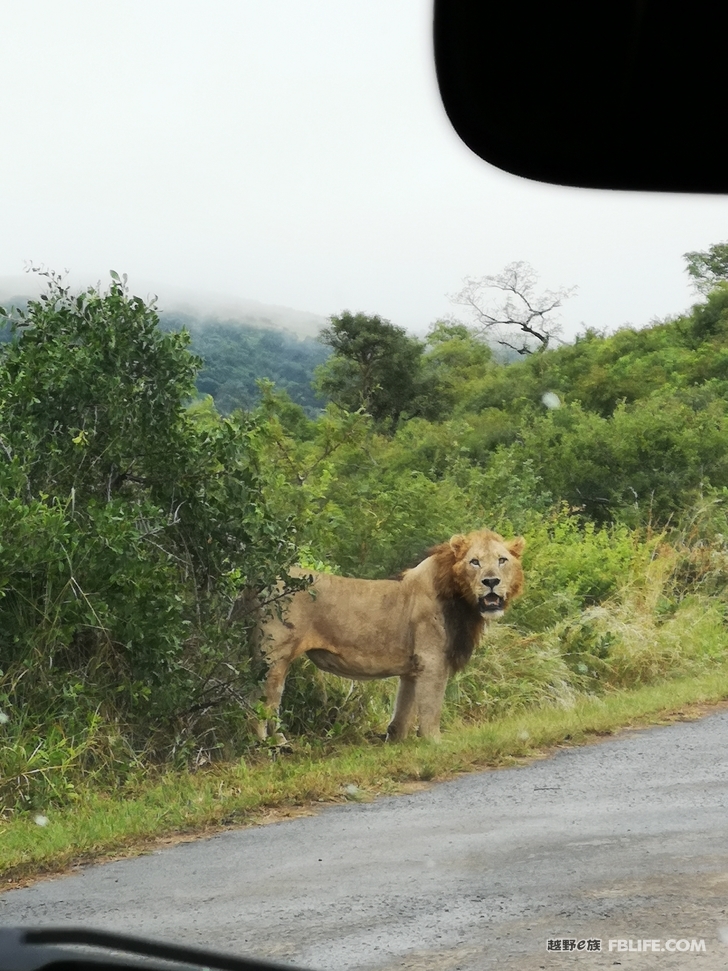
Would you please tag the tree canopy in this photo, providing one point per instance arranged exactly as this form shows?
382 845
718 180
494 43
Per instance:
708 267
374 366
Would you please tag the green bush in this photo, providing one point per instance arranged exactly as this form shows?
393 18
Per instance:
128 526
644 464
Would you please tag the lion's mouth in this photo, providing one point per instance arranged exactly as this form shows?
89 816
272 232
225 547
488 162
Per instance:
491 603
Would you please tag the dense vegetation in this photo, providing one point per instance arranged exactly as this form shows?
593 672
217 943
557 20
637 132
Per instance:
133 515
127 527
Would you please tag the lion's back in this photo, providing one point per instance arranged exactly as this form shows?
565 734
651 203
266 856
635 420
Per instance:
365 625
348 604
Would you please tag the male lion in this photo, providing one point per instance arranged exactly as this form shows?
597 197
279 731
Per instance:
420 627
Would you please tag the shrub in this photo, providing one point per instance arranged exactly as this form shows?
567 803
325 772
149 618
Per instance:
128 526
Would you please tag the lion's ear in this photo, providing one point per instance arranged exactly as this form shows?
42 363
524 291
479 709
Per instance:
516 546
458 543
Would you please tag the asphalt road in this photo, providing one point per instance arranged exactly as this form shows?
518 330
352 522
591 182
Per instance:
622 840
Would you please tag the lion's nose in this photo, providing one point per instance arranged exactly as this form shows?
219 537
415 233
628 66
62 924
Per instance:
491 582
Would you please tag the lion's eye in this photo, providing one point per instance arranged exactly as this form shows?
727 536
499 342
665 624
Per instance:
475 562
502 560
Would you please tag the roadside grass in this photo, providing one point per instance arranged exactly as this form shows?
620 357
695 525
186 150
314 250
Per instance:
173 805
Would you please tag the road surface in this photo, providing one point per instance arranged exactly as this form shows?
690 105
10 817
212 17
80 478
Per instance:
626 840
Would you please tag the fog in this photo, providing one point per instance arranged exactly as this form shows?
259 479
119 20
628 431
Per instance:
296 155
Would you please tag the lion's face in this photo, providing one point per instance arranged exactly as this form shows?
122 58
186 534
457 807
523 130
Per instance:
488 570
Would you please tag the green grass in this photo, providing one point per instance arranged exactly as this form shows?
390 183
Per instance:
100 826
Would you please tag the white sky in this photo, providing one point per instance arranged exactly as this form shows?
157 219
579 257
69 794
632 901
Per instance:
296 153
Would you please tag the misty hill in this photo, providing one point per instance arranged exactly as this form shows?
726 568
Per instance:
194 304
239 340
199 305
237 353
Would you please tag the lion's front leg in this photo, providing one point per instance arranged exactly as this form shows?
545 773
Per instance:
429 697
403 719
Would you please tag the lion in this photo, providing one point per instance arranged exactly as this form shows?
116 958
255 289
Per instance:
419 627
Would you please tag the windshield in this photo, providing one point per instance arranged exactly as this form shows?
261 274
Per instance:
327 450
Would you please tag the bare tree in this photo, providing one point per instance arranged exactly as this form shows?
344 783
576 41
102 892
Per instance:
508 302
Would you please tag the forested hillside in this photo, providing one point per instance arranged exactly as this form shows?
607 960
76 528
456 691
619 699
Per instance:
131 520
237 354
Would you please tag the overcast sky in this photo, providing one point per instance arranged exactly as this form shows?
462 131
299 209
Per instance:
296 153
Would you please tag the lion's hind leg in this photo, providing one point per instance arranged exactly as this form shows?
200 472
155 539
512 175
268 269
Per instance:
267 728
